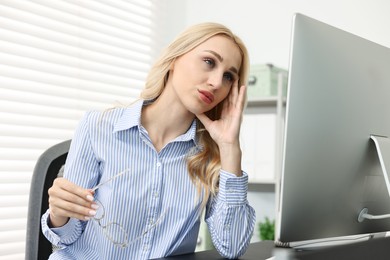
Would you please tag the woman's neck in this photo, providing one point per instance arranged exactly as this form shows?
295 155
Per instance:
165 119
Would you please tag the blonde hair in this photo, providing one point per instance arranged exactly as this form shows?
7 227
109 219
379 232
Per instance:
204 166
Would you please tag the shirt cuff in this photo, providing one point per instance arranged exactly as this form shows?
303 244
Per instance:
61 235
233 189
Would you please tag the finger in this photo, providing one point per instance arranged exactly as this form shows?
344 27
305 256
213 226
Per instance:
64 195
226 103
62 184
234 92
241 96
71 208
81 214
75 189
69 200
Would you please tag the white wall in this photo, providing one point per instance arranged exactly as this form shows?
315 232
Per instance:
265 26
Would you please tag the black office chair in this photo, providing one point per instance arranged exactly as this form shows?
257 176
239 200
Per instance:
45 171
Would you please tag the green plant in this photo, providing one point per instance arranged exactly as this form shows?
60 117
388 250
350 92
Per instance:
267 229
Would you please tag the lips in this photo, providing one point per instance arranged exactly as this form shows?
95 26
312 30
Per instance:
206 96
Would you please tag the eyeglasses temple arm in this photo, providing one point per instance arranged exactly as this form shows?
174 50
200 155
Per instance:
110 179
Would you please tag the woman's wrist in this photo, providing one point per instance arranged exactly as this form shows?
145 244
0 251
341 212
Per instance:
55 222
231 158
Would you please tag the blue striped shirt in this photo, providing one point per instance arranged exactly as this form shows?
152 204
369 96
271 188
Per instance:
156 194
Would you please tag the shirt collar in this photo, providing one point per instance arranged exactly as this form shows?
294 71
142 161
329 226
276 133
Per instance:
131 117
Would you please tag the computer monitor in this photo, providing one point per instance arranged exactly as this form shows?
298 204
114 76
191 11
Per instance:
338 98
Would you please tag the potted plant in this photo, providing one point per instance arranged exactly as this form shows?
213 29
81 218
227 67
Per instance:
267 229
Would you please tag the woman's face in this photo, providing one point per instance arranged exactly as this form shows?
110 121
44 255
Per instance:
203 77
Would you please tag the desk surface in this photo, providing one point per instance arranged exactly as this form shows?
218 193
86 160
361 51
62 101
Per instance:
377 249
256 251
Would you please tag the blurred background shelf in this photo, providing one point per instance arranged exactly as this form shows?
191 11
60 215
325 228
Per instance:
265 102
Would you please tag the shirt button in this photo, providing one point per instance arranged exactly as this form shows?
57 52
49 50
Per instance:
158 164
155 194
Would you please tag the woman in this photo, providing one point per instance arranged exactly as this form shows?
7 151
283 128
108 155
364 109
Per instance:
177 152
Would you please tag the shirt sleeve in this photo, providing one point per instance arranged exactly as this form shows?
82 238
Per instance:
81 168
229 217
62 236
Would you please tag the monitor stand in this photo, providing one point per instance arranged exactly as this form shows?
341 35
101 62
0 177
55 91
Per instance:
316 244
382 144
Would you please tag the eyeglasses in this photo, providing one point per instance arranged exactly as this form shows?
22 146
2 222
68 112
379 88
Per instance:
114 231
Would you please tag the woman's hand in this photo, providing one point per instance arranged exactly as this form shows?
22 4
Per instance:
226 130
67 200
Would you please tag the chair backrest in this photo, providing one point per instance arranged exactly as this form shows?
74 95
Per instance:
45 171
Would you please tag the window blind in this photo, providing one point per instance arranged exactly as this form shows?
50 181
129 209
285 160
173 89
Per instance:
59 59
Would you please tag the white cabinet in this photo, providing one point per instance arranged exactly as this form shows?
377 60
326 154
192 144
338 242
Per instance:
261 137
204 238
258 145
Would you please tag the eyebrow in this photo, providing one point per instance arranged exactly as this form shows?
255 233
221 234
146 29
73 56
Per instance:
219 57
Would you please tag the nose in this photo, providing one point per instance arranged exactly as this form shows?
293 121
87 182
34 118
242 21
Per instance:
215 80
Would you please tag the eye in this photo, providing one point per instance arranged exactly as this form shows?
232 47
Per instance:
209 62
228 76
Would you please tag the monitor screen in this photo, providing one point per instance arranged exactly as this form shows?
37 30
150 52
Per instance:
338 96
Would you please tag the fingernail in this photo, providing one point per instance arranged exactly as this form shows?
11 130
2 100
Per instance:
92 213
87 218
89 197
95 206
